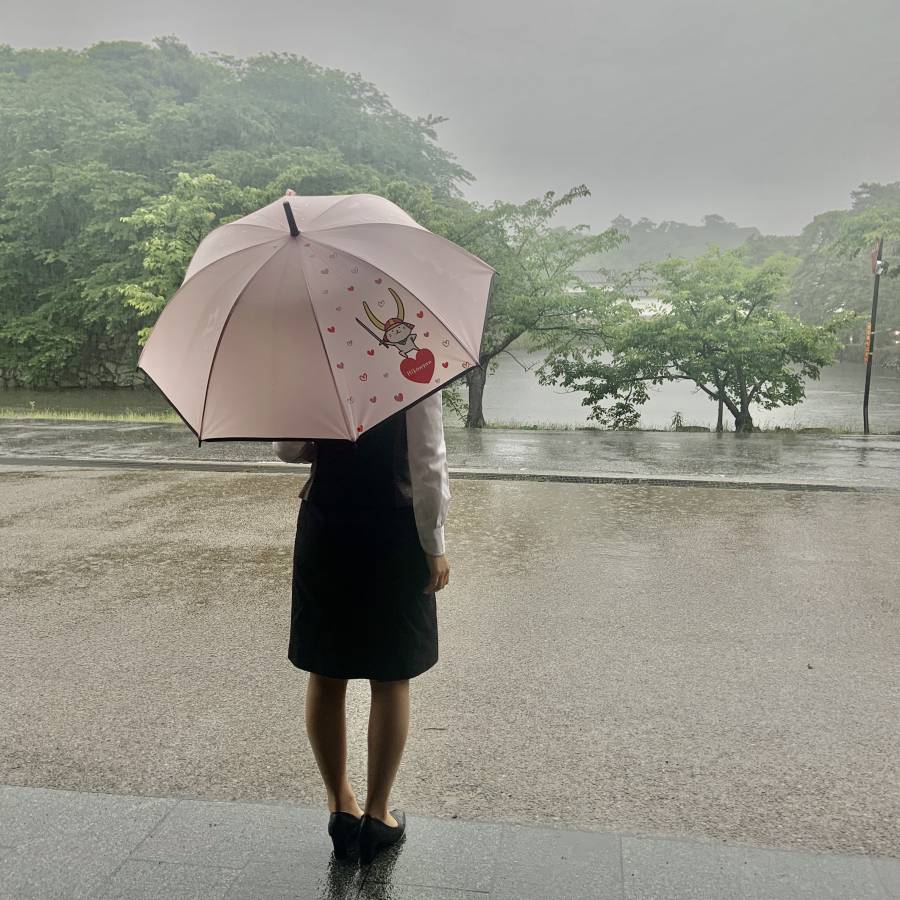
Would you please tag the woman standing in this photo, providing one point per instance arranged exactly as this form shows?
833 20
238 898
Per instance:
368 561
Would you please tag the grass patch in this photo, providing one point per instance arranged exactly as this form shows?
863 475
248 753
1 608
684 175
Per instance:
88 415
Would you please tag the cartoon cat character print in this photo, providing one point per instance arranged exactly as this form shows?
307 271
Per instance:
397 333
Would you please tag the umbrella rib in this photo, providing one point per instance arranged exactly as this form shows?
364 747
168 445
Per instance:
330 208
394 278
417 227
226 255
312 306
224 326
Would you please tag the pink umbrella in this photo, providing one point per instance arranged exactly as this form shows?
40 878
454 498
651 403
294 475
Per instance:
316 318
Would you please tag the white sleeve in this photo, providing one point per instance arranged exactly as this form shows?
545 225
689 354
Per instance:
294 451
429 478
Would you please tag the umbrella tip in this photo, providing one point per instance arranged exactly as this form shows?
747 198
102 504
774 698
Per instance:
290 217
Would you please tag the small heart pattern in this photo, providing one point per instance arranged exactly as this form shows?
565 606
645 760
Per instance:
419 314
370 352
340 365
331 328
445 364
377 281
398 397
364 376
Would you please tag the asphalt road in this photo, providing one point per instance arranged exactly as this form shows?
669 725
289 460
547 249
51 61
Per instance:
852 460
689 661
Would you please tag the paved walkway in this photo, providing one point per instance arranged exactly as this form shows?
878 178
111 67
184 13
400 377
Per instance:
67 844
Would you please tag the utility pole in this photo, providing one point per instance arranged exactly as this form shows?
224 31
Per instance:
877 269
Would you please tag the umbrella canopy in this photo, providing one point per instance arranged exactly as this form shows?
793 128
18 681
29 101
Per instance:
316 318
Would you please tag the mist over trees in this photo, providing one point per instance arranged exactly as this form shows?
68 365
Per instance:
116 160
87 138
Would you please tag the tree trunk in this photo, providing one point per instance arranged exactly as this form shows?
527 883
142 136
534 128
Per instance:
475 379
720 424
743 420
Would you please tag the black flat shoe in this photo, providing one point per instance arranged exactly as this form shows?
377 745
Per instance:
344 830
374 835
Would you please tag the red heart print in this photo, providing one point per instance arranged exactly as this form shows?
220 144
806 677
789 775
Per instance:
359 428
377 281
364 376
350 288
398 397
331 328
372 399
426 334
445 343
340 365
445 364
419 369
466 364
370 352
419 314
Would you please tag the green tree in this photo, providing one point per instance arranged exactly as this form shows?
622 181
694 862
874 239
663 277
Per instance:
115 158
875 214
535 292
834 273
720 328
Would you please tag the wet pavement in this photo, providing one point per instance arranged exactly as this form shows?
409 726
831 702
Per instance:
846 460
682 661
644 690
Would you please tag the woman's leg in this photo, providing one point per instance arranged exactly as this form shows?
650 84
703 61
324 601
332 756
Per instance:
326 726
388 727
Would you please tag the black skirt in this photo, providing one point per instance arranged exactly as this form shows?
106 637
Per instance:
358 609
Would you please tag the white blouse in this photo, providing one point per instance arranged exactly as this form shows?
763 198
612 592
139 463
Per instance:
429 481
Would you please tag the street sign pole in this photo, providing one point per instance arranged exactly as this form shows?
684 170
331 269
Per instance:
877 268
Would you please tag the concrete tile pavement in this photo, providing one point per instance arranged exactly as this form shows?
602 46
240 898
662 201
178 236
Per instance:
71 844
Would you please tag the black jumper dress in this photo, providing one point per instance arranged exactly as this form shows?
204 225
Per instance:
358 607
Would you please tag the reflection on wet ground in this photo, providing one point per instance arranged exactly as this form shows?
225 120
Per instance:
865 461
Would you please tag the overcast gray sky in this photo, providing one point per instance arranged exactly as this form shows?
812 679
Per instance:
763 111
